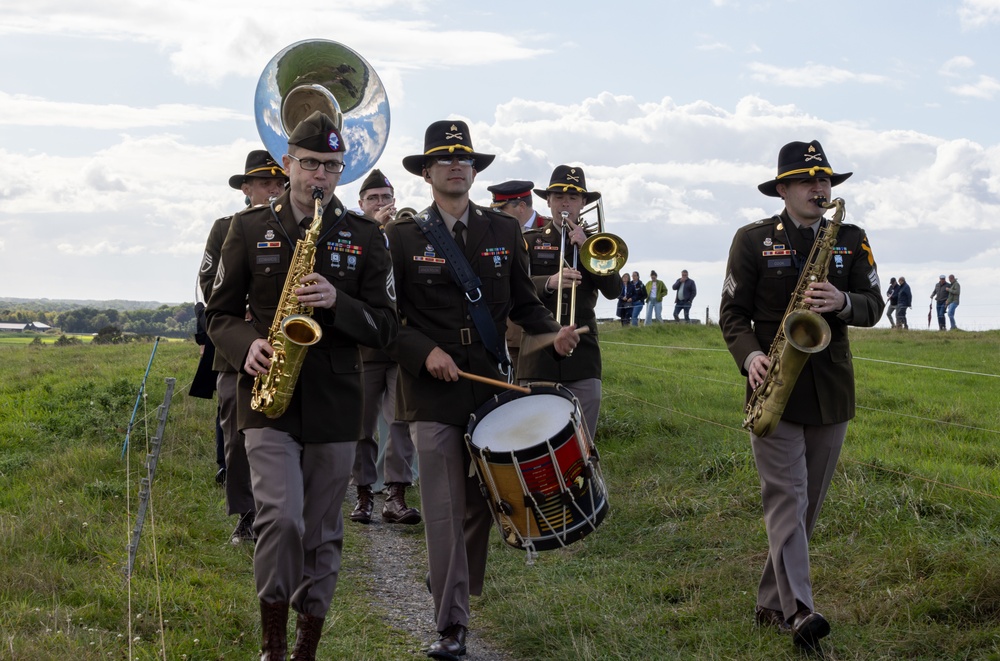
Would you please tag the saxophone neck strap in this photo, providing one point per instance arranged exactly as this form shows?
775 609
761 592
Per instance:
433 227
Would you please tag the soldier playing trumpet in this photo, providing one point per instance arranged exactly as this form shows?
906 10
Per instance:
581 373
797 459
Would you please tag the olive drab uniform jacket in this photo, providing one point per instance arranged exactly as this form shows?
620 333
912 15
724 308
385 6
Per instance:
435 313
207 272
760 279
585 363
352 254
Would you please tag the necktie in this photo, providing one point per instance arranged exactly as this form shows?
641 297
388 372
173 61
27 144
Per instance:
460 235
807 233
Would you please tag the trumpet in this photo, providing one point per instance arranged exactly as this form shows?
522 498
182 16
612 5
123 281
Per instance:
404 213
602 253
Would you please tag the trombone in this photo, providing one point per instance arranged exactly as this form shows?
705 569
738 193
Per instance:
602 253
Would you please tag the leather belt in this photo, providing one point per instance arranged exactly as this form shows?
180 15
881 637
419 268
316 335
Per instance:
463 336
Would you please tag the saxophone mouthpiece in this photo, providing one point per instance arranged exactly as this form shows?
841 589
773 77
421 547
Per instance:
820 201
564 215
318 193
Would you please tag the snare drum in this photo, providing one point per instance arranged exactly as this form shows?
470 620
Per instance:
538 467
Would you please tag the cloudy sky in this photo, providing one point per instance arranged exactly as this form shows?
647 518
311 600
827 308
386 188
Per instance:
122 121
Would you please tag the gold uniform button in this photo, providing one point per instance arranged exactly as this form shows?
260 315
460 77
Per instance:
267 269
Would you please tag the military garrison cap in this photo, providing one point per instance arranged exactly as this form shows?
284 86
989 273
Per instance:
317 132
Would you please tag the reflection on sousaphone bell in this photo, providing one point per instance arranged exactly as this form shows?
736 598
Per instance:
317 74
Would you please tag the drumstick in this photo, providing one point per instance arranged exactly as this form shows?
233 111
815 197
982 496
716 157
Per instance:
531 343
494 382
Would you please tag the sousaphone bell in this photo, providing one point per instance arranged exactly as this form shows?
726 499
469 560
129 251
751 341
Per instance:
318 74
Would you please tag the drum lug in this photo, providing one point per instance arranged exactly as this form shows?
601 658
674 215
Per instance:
504 508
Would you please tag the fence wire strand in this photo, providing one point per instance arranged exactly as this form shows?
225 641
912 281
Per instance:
742 385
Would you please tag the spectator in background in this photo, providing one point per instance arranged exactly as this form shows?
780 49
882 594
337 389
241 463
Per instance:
654 294
638 297
940 296
686 291
904 299
625 301
954 290
891 296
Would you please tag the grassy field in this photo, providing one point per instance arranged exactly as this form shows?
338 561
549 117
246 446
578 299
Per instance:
904 556
22 339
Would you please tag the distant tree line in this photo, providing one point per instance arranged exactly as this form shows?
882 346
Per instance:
165 320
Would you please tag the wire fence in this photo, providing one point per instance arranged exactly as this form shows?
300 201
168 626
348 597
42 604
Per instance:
739 385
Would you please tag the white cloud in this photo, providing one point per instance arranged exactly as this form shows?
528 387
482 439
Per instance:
24 110
207 41
979 13
712 45
956 66
985 87
811 75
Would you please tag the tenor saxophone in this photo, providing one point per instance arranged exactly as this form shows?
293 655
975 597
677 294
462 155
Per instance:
293 330
802 333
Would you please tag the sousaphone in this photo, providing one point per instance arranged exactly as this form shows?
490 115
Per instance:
317 74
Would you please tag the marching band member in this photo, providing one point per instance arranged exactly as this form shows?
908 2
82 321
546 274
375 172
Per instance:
445 328
797 460
300 462
581 373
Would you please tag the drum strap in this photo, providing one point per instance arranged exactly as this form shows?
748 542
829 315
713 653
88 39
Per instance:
433 227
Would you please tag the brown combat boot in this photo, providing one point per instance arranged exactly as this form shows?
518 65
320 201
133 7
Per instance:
395 509
308 629
366 503
274 631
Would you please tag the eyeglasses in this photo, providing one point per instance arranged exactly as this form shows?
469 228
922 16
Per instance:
448 160
311 164
387 197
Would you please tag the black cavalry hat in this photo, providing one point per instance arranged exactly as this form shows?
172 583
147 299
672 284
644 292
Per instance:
568 179
802 160
510 190
443 138
375 179
259 164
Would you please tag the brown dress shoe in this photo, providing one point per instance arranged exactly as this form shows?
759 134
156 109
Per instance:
395 509
808 627
308 629
366 503
274 630
768 617
451 644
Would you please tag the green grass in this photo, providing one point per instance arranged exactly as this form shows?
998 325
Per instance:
904 559
27 338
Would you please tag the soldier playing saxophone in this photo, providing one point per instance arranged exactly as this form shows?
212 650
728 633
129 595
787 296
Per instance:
797 459
301 460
